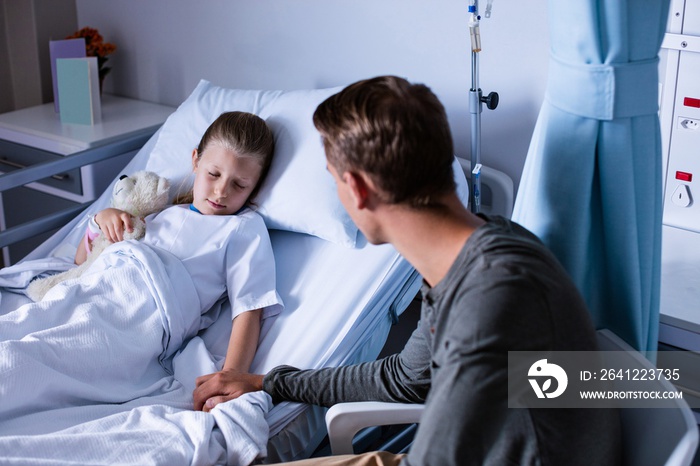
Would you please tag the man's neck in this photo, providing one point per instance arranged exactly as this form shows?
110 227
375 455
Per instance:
430 239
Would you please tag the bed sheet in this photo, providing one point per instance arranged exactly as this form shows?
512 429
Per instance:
326 322
339 306
94 359
320 282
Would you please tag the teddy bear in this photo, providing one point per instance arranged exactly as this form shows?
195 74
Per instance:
140 195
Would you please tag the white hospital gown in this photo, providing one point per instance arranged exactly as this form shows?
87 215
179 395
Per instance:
223 254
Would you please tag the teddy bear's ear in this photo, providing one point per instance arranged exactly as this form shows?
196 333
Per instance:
162 192
163 186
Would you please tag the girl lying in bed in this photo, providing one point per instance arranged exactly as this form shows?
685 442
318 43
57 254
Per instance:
229 165
145 300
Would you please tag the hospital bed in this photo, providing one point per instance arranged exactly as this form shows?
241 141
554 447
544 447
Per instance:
341 297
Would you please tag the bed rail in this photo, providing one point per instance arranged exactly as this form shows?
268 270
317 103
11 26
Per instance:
47 169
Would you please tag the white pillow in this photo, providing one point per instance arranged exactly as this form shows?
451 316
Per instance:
299 193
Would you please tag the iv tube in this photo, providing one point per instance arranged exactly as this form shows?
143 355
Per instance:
475 109
474 33
476 197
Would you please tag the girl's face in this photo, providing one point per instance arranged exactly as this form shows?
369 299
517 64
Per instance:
223 181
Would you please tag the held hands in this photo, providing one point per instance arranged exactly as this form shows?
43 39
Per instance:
113 223
223 386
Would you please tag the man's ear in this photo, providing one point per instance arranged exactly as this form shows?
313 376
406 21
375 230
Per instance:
359 188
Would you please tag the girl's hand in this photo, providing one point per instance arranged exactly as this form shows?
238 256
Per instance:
113 223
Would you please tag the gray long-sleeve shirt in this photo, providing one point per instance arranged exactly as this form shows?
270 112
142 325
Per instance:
504 292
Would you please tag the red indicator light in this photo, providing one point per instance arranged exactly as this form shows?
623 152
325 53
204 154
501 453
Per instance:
684 176
691 102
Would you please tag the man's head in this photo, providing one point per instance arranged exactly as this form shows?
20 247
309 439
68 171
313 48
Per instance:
396 133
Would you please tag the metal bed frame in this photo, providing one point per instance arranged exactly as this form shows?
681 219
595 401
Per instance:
43 170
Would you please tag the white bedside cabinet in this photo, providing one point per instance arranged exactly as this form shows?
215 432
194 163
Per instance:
35 135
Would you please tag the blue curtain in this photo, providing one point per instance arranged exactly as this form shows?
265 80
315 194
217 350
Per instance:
591 185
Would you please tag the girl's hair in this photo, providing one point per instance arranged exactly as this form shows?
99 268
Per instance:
244 134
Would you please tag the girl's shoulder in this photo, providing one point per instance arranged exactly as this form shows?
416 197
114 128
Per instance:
250 219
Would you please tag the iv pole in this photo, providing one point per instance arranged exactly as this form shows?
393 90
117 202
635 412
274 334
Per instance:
476 99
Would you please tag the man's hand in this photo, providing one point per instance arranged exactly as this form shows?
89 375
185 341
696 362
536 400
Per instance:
224 386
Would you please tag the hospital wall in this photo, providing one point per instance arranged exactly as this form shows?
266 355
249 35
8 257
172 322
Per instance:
166 46
26 27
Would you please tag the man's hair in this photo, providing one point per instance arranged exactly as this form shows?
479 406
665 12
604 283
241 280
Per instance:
394 131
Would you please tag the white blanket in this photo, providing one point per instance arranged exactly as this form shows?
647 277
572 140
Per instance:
91 366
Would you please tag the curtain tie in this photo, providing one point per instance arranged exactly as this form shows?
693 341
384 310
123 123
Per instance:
604 92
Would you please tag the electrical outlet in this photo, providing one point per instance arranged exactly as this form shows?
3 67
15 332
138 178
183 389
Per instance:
689 123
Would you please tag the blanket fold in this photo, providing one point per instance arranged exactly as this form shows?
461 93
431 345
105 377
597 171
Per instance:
234 433
100 338
95 357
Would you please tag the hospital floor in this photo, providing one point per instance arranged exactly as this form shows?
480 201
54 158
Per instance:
402 330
